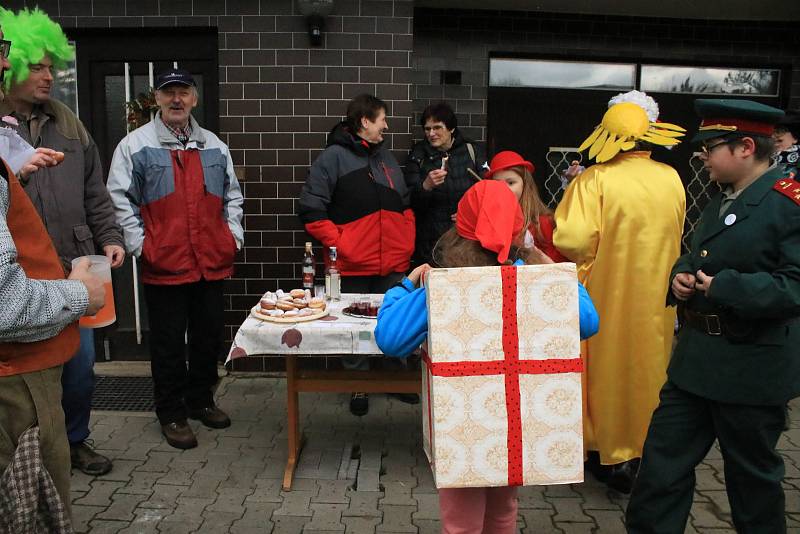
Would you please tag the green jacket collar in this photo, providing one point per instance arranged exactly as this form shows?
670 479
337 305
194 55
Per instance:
740 209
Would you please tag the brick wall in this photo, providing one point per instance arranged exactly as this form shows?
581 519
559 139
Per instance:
462 40
279 97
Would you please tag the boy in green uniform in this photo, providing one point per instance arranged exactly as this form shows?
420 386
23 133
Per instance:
735 364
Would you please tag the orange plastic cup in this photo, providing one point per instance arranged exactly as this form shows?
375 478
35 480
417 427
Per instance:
101 267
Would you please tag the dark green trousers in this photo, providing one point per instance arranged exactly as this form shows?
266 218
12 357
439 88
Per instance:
681 433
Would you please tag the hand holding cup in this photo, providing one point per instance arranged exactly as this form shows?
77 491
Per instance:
94 285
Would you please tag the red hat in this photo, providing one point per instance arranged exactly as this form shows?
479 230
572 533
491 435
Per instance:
490 214
506 160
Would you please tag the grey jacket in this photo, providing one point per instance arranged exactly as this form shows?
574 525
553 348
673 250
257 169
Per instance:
71 198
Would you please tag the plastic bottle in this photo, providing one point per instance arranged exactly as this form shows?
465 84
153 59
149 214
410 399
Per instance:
333 281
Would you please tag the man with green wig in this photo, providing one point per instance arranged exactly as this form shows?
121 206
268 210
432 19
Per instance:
71 197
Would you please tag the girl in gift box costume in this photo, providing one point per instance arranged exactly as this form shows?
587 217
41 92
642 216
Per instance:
489 223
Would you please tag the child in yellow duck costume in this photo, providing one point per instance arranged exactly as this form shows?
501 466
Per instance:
621 222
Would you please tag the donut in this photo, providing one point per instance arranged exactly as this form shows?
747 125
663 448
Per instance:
297 293
273 313
268 304
279 293
305 311
269 295
316 302
300 303
291 313
285 306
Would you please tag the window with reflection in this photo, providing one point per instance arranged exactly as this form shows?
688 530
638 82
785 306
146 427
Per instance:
507 72
710 80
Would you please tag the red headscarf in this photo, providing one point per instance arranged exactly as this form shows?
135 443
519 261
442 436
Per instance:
490 214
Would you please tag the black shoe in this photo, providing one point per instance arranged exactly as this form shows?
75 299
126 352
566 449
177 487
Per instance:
85 459
211 416
179 435
359 404
407 398
623 475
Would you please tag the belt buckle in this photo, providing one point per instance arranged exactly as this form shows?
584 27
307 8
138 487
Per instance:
713 325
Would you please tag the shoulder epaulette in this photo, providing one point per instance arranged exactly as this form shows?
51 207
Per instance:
789 188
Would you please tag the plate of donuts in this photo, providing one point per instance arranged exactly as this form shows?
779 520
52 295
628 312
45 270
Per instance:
294 306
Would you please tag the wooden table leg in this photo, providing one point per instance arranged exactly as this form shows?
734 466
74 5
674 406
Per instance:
293 421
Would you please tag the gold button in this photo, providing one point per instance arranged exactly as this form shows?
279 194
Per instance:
703 253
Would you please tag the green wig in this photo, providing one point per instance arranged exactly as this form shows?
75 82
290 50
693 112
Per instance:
33 35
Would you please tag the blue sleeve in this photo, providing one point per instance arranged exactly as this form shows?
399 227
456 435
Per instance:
402 320
589 320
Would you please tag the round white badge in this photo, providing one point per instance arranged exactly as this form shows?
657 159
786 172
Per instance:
730 219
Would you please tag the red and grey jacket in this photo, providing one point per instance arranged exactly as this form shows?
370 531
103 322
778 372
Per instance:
355 198
180 207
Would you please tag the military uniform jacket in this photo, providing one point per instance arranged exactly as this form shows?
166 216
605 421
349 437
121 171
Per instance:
753 253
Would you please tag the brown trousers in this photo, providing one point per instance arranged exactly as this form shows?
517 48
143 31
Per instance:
35 398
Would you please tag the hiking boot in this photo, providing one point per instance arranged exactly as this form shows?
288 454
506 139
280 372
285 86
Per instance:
359 404
179 435
86 460
211 416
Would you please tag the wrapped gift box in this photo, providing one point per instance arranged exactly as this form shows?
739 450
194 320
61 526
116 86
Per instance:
501 387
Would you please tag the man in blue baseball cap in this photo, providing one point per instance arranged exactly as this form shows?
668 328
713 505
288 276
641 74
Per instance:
180 205
735 365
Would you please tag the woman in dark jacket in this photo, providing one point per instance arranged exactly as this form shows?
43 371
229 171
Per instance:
437 175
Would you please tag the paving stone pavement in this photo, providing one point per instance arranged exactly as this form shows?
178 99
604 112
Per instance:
232 481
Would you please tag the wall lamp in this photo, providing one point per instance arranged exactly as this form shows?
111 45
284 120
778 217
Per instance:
315 12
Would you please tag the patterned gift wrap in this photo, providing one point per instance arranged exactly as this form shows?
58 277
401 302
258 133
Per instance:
501 384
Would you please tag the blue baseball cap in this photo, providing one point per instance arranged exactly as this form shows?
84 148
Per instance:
174 76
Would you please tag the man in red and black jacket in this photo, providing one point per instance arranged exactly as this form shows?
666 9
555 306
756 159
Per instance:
355 199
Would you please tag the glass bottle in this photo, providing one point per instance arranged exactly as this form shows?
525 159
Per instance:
309 268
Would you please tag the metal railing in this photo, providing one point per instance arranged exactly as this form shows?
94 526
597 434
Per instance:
699 190
558 159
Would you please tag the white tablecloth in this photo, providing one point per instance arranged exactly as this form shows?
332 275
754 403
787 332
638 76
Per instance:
336 334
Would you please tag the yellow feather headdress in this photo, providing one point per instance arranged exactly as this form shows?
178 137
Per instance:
624 124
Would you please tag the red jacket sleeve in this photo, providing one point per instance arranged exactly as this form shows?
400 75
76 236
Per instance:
546 226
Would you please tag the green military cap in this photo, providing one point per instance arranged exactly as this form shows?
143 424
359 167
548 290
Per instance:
724 116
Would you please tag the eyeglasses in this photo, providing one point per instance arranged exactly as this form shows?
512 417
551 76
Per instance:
706 150
5 48
436 128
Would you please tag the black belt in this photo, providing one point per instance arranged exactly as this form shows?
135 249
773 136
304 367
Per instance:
719 325
710 324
